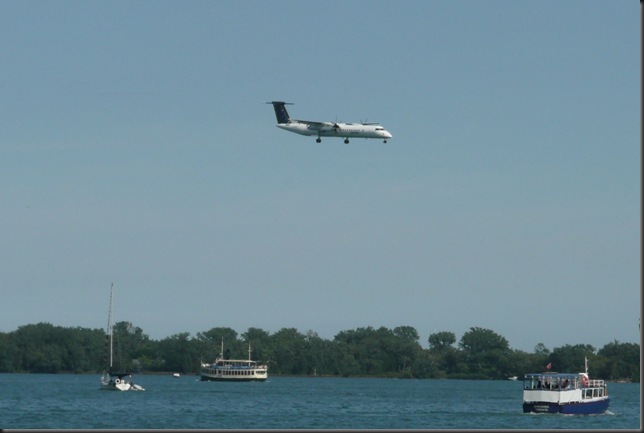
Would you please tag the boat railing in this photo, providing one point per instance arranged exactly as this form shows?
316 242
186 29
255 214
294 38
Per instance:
238 367
595 383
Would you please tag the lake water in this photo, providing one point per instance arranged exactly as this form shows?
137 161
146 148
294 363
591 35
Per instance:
65 401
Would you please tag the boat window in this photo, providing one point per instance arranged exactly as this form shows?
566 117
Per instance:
531 383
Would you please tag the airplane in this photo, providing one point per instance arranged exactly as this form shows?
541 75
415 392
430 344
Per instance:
327 129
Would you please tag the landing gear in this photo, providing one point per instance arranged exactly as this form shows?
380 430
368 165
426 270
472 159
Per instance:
346 141
318 140
384 141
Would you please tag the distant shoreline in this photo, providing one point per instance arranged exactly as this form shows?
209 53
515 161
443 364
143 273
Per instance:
320 376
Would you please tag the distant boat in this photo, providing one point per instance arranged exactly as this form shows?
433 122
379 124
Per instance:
513 378
176 374
234 370
566 393
112 381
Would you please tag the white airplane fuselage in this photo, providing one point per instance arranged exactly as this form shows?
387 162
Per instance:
327 129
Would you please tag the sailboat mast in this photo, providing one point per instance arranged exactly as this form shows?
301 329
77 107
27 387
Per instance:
109 324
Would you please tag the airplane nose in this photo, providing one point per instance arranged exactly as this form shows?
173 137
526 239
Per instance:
388 135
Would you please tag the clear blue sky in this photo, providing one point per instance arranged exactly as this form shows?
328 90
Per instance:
136 148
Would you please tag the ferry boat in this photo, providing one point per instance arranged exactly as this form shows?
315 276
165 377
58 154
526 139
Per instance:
566 393
234 370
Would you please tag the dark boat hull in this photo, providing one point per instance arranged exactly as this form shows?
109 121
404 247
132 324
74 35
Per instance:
231 379
586 408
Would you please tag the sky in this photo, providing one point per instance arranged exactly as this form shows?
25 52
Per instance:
136 149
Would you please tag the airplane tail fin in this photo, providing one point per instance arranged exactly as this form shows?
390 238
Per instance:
280 111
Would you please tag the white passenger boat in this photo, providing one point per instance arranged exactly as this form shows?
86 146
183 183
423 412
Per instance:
566 393
234 370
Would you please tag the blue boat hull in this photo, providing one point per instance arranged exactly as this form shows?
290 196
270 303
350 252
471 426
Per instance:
589 408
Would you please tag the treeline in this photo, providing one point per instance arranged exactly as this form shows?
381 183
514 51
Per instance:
479 354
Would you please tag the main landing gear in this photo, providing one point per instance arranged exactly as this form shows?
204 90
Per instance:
346 140
319 140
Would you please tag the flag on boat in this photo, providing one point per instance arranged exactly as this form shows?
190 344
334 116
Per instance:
549 366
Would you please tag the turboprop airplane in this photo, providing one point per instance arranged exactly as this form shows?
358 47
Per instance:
327 129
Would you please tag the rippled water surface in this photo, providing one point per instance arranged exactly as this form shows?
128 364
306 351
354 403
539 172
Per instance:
74 402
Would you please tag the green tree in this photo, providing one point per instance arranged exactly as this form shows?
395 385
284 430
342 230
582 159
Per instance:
38 348
366 351
445 358
177 353
570 358
486 353
541 349
130 343
425 365
481 353
320 357
480 340
6 354
289 352
405 349
621 361
260 342
209 343
441 340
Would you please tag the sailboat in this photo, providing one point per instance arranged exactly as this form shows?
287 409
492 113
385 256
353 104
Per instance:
110 380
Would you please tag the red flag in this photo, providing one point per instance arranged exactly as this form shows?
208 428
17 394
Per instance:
549 366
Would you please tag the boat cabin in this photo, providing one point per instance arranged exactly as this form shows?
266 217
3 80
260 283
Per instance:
565 382
552 381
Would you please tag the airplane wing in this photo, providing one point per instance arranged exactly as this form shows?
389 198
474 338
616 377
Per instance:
316 125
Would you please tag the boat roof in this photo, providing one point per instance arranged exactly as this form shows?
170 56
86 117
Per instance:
237 360
553 374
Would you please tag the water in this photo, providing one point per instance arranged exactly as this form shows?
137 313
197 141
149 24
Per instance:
62 401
